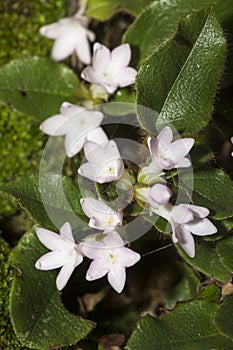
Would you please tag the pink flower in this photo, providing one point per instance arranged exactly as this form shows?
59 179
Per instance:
70 36
78 124
166 154
104 162
110 258
185 220
158 195
110 69
65 253
102 217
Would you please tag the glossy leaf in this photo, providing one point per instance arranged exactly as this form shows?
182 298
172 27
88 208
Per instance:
163 82
105 9
44 199
207 261
38 315
37 86
214 190
158 22
224 320
225 252
190 326
211 293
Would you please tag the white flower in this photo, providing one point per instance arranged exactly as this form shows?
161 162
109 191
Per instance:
166 154
102 217
65 253
104 162
185 220
78 124
110 69
110 258
70 36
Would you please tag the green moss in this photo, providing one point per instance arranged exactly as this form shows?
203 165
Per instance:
21 145
8 339
20 140
21 21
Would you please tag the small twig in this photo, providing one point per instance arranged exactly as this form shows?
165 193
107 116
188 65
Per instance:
158 249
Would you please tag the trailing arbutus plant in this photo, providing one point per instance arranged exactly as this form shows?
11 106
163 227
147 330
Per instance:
129 243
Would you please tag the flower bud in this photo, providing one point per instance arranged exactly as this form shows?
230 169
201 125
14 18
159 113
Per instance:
150 175
141 193
126 181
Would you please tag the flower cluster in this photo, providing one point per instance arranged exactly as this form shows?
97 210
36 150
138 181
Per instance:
104 164
109 69
110 256
185 219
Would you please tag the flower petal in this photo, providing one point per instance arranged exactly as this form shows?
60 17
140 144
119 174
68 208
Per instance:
159 154
101 58
88 171
55 125
199 212
201 227
185 239
97 269
66 232
110 171
120 56
64 275
128 257
181 147
73 144
165 136
70 110
97 135
49 239
181 163
90 75
126 76
92 250
182 213
52 31
111 86
159 194
63 47
113 240
51 260
105 152
117 277
82 47
91 35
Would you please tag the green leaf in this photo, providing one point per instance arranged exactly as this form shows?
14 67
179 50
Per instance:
185 289
212 293
228 224
158 22
214 190
225 252
190 327
38 315
224 320
46 195
164 84
207 261
105 9
37 86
